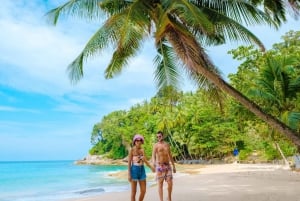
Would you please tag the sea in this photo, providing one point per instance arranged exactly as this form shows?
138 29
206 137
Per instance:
57 180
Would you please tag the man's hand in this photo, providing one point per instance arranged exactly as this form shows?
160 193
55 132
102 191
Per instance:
174 169
153 168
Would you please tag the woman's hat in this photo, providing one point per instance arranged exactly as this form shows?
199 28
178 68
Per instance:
138 137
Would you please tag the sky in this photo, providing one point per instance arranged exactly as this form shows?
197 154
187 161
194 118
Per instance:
45 117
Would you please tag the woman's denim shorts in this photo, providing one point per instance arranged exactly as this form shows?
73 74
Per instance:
138 172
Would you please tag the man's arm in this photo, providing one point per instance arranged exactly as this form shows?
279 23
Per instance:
171 159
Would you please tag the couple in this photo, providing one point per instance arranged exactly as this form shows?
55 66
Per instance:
162 160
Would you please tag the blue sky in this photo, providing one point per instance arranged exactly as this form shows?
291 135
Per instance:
42 115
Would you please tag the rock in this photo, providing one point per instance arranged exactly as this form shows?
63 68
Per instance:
99 160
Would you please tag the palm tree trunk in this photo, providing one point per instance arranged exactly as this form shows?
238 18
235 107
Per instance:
251 106
176 146
282 155
198 62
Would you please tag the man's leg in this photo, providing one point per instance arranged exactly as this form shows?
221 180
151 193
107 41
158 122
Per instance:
160 180
160 189
170 187
169 179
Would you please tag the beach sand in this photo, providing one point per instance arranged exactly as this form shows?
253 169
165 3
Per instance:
229 182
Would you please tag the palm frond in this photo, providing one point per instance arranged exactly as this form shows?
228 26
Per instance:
166 62
294 120
274 8
75 69
135 22
234 31
202 81
125 50
277 9
85 9
262 94
112 7
227 16
119 60
241 11
104 37
189 14
295 85
117 31
294 6
187 48
132 29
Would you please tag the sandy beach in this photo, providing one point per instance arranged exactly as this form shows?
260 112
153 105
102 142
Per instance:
229 182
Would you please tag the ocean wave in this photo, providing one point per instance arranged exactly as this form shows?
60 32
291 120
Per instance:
93 190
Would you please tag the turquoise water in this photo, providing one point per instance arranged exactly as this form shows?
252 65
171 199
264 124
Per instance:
56 180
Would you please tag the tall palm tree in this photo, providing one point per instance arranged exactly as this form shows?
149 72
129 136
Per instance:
181 29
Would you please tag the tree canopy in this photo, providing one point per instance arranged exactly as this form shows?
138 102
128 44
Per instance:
180 30
198 127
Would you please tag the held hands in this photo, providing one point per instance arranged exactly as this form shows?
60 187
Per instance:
152 168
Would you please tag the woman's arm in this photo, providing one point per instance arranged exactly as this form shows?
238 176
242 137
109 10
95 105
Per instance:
153 155
147 162
129 164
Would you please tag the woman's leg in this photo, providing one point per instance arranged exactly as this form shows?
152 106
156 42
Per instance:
133 190
142 189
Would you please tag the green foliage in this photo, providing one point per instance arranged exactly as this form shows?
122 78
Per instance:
270 152
271 79
287 148
207 124
244 154
180 31
98 149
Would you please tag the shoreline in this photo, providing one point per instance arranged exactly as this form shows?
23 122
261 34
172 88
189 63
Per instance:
234 182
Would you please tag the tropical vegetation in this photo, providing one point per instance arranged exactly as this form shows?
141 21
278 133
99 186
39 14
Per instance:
180 29
198 127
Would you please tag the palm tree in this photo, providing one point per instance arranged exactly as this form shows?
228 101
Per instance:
181 29
278 87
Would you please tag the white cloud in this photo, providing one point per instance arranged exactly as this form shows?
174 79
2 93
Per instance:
16 109
37 53
35 57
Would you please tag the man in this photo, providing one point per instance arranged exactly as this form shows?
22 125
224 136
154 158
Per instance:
162 160
236 155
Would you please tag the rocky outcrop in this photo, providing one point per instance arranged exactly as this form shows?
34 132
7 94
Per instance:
99 160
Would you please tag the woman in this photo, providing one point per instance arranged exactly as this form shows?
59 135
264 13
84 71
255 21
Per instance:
136 169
